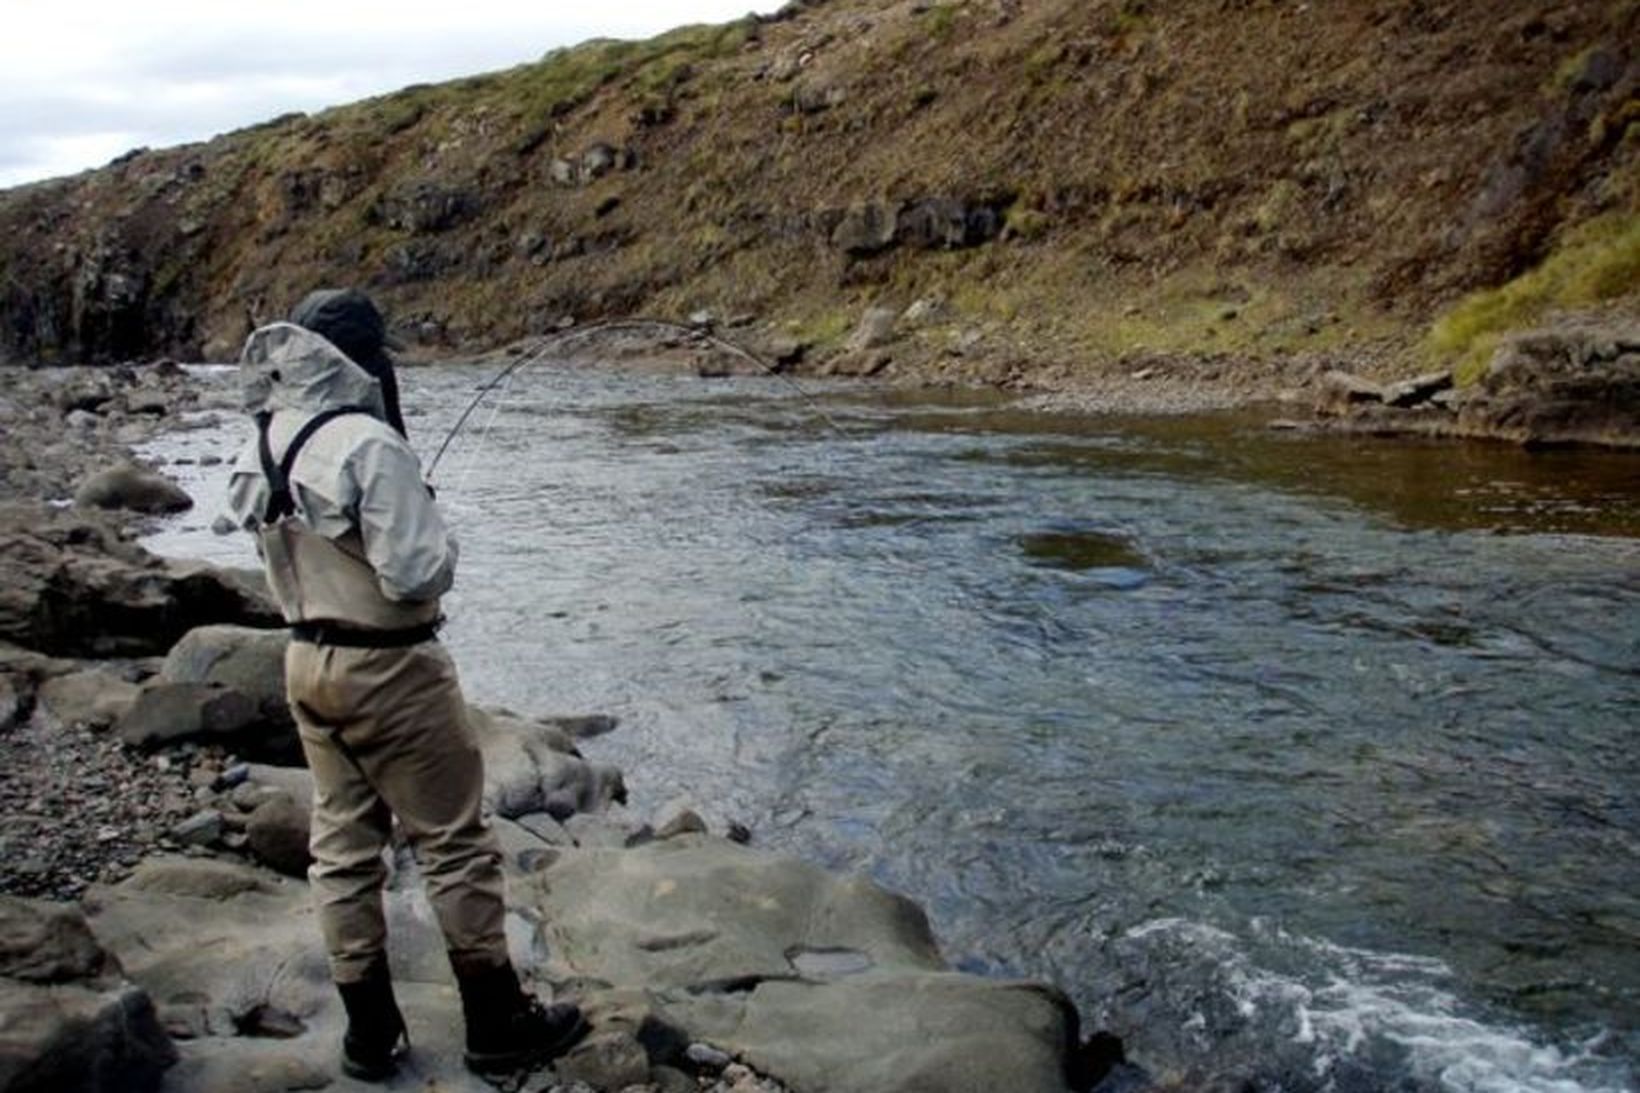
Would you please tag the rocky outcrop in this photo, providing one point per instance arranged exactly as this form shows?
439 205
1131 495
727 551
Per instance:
247 661
1563 385
1560 386
72 585
71 1023
932 223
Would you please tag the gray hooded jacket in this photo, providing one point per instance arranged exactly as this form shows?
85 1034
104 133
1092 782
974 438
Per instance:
366 545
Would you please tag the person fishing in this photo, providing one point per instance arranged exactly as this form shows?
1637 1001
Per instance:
357 555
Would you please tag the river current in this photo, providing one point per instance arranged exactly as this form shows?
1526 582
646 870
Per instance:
1306 757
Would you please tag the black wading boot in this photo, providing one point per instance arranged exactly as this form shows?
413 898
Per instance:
375 1028
508 1030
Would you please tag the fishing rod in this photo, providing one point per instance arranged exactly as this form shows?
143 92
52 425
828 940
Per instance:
550 341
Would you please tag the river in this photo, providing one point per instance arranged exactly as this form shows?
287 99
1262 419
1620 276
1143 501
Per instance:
1310 758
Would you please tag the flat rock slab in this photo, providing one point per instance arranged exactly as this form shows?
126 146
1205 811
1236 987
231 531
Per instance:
824 980
893 1032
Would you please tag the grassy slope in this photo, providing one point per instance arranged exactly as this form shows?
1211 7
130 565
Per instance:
1229 179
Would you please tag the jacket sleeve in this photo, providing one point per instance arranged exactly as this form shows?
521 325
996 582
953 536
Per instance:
405 539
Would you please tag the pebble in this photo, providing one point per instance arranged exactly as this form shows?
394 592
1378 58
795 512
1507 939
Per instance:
203 828
707 1057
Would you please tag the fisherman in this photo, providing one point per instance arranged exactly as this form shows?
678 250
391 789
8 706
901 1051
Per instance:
357 555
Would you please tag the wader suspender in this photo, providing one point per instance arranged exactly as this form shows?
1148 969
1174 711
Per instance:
280 501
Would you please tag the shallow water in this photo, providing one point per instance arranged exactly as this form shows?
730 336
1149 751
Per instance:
1310 758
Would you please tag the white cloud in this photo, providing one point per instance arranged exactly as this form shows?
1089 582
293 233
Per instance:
82 81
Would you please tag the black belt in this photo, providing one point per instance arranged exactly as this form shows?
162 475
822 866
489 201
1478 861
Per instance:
358 637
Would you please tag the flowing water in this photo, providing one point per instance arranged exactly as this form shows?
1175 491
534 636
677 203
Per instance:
1307 758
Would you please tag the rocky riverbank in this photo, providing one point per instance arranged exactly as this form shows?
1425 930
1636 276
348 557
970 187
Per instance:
156 932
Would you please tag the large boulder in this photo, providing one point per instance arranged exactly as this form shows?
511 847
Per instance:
169 713
246 659
68 1022
132 486
71 585
533 765
780 963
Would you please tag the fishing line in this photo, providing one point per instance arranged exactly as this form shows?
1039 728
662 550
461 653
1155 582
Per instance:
477 447
549 341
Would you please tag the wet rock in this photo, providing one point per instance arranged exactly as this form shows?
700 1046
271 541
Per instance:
135 487
528 761
711 928
278 833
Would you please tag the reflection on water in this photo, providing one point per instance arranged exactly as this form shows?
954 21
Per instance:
1271 749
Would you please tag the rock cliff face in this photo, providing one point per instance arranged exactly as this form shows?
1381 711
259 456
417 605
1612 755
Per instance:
1071 179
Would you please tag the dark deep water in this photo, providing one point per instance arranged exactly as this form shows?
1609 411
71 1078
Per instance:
1311 758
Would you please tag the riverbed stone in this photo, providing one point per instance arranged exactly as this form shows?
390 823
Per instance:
129 485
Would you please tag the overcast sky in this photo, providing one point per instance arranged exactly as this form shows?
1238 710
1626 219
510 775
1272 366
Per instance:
82 81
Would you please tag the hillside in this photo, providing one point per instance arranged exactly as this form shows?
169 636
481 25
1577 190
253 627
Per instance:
1069 185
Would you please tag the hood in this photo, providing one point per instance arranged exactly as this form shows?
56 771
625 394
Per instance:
286 367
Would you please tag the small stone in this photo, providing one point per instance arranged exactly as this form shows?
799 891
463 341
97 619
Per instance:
707 1057
683 821
232 777
203 828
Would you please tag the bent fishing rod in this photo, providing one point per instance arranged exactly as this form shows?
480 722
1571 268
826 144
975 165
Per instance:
548 342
